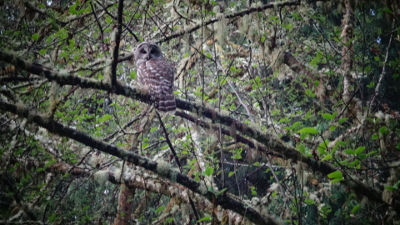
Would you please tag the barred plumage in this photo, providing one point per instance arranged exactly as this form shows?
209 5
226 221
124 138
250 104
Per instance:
155 75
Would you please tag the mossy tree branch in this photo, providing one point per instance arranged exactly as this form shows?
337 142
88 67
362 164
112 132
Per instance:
163 169
63 77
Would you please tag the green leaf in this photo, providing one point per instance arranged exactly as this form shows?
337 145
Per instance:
66 175
383 130
209 171
52 218
301 148
355 208
332 128
375 136
214 2
43 51
303 136
367 69
386 10
335 175
263 38
160 209
233 69
349 151
308 130
309 201
336 180
72 9
105 118
310 93
206 218
297 16
322 147
343 120
295 125
109 20
231 174
328 116
288 26
327 157
359 150
390 188
71 43
372 153
35 37
371 85
222 191
284 120
397 184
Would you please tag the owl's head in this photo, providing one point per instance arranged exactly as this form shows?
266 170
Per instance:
146 51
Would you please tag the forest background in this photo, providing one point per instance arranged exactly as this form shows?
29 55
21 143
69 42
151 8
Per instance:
287 113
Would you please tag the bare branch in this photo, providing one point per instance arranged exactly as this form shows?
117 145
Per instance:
382 75
229 16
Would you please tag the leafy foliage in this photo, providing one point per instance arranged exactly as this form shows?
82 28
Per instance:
287 109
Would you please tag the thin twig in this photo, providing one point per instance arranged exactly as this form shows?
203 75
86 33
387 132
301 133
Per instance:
100 27
177 161
382 75
228 16
241 102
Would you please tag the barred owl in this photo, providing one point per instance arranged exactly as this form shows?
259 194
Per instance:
155 76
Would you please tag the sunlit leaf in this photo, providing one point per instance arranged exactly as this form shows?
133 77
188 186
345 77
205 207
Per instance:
308 130
327 157
335 175
349 151
359 150
206 218
328 116
209 171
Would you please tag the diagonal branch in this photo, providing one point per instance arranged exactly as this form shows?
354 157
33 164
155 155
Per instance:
163 169
229 16
123 24
100 28
63 77
382 75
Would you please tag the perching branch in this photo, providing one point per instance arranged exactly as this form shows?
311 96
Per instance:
63 77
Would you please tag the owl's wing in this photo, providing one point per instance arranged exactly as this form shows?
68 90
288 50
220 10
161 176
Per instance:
162 74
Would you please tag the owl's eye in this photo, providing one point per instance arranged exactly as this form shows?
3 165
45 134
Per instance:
143 51
153 51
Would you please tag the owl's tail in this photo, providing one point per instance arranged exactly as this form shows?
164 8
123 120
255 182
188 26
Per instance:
166 104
